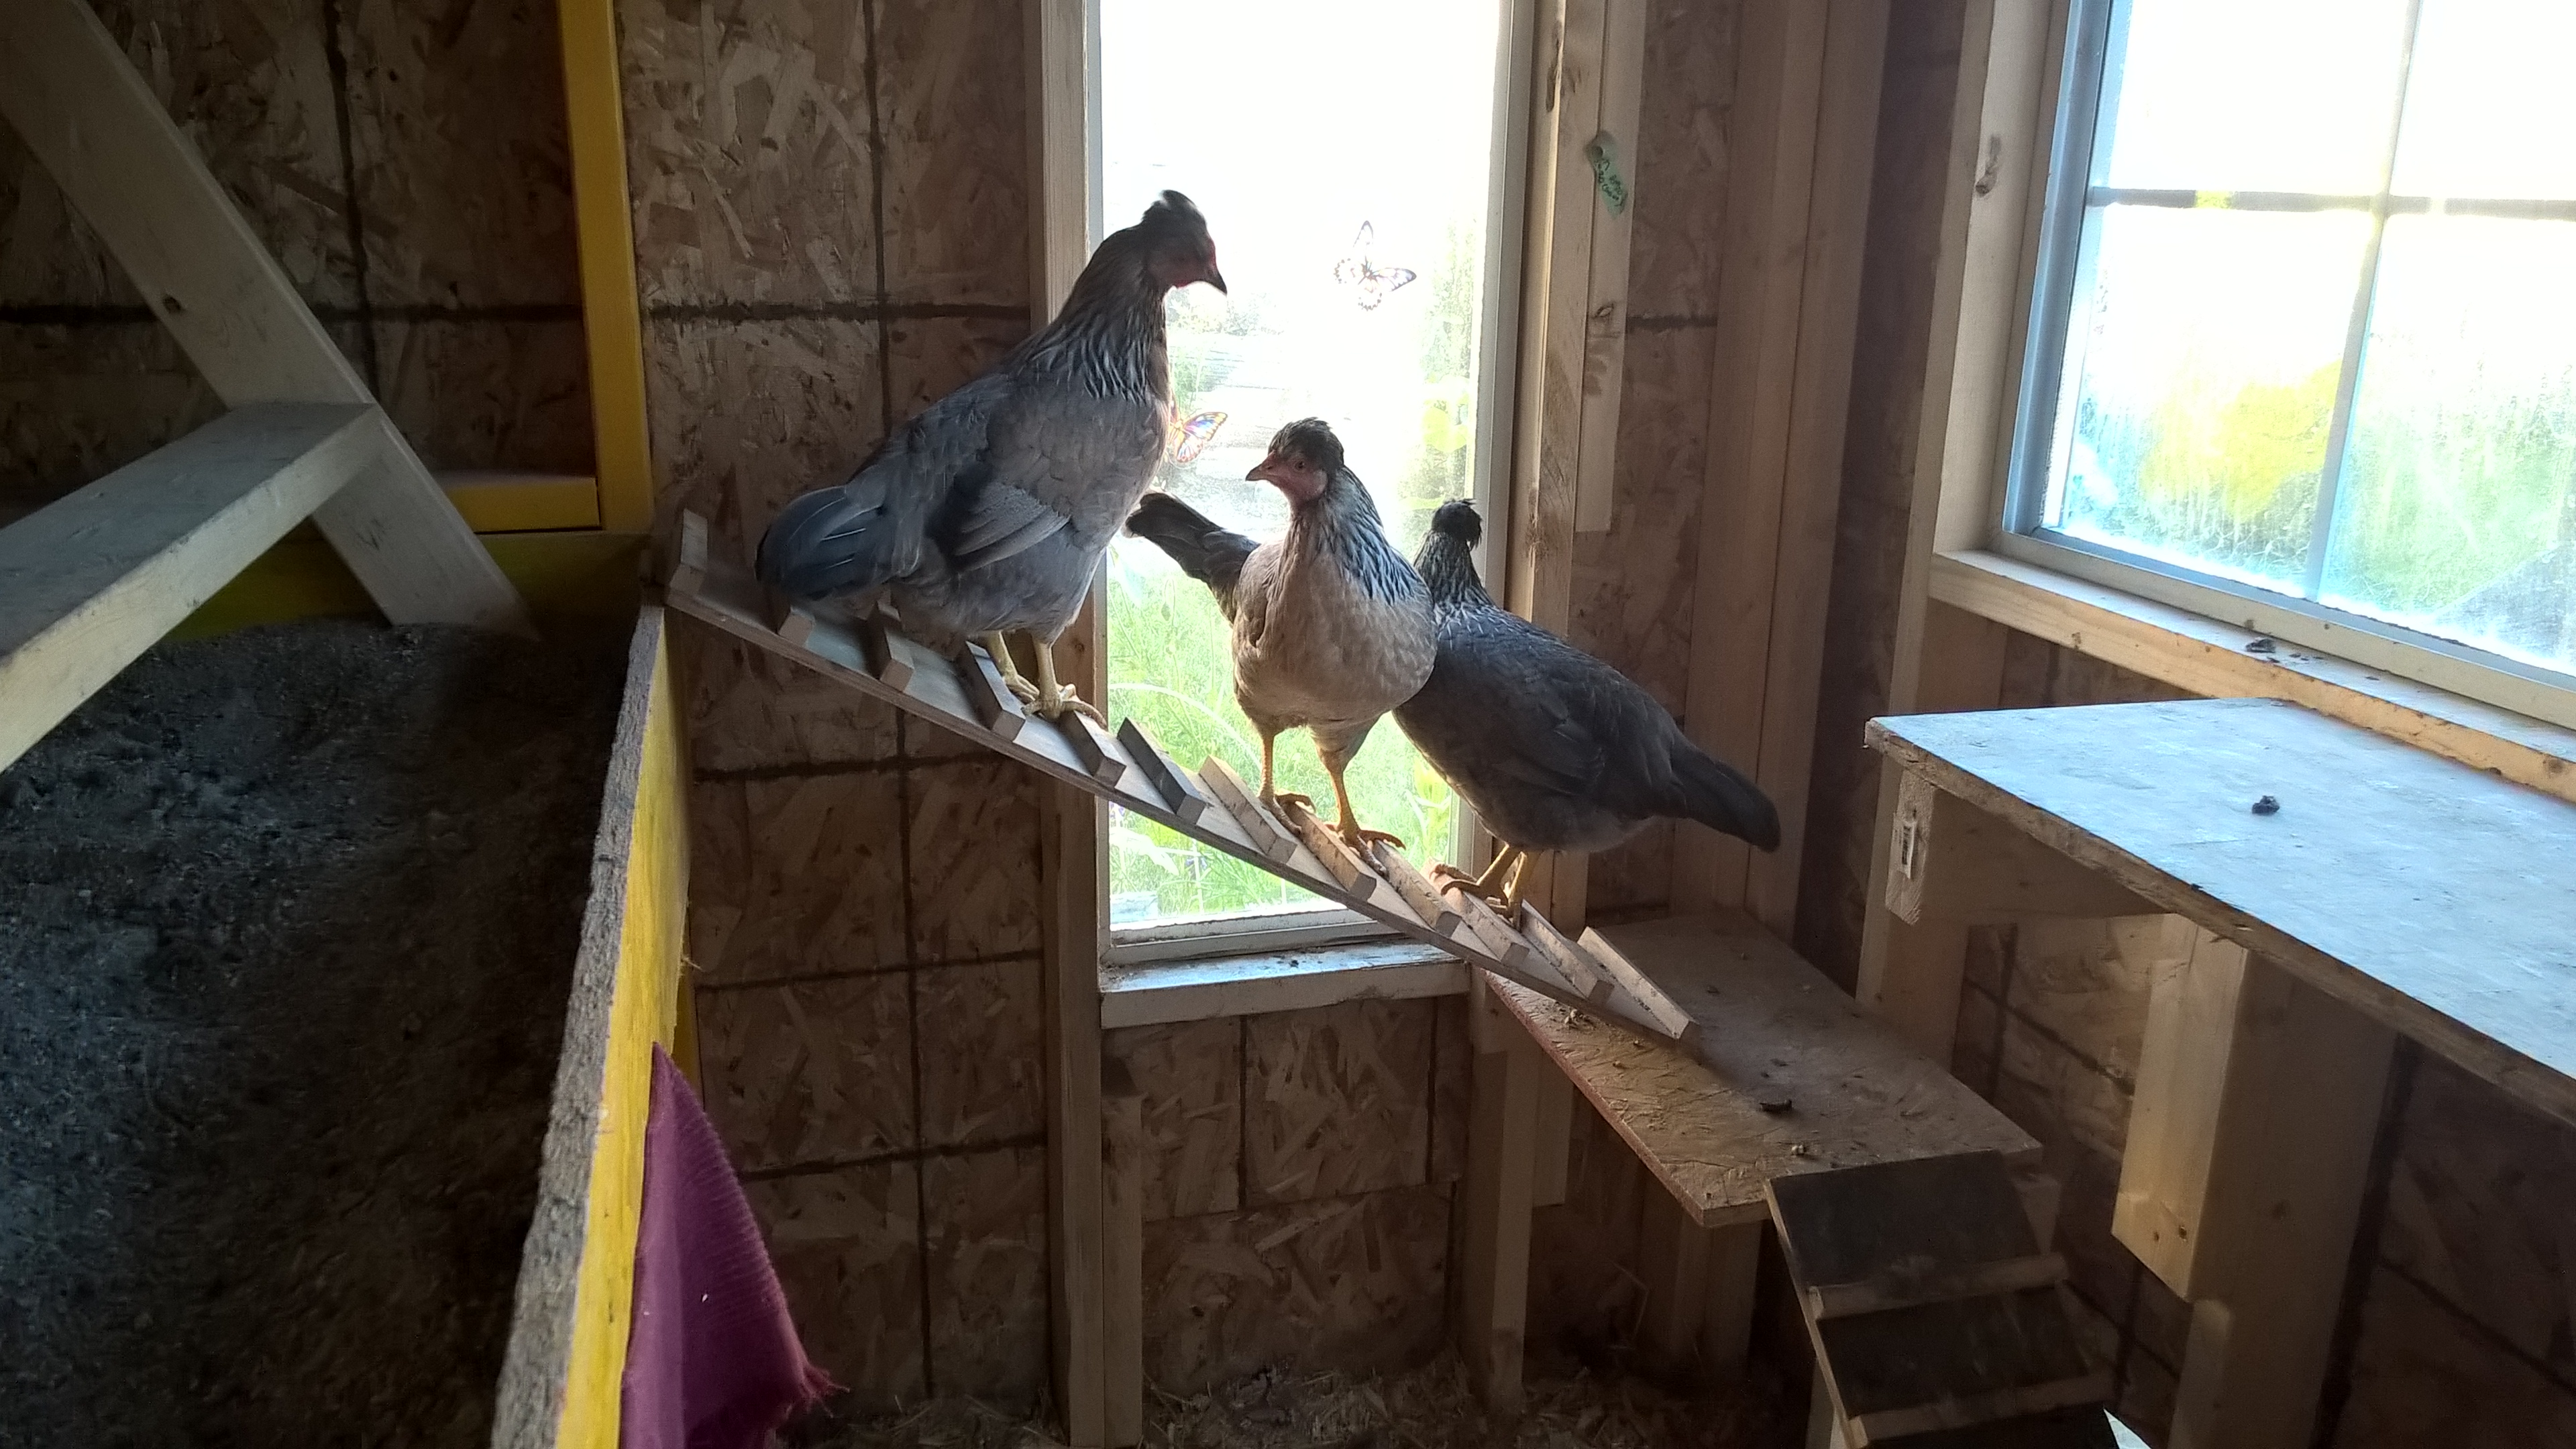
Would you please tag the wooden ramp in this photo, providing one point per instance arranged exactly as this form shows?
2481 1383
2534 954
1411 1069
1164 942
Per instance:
1213 804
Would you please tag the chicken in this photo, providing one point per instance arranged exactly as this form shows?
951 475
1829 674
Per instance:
990 511
1331 627
1554 749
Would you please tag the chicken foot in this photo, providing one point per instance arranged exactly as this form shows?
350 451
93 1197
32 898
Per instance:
1500 883
1046 698
1348 827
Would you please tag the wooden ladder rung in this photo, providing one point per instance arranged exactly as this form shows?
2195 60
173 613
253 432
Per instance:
1571 961
1258 827
1882 1295
1969 1410
994 703
1416 888
789 619
1501 942
1660 1007
1345 864
1181 792
891 666
1101 758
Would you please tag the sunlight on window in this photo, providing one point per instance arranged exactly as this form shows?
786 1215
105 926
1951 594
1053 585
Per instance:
1341 152
2322 334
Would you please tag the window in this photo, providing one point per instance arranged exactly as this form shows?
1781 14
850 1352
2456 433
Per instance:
2305 327
1344 152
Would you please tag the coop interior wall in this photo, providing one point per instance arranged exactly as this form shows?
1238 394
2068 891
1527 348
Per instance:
831 205
406 166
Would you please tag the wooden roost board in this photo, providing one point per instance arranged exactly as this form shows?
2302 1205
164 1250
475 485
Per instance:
1212 806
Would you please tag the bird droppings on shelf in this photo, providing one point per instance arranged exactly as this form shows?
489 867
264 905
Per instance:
2268 805
2264 645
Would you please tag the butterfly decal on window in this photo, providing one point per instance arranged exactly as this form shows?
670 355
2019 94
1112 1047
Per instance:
1191 438
1365 277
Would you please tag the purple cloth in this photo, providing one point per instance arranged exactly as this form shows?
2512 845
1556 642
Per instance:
712 1361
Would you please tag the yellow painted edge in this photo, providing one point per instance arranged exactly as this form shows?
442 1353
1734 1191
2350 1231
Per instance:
642 1011
612 317
523 502
578 573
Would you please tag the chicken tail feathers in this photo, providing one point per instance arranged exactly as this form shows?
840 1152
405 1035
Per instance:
830 542
1211 554
1719 796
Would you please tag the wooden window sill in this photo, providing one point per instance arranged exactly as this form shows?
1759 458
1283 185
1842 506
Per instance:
1197 990
2208 657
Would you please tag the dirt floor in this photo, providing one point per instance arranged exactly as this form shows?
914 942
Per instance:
287 919
1429 1408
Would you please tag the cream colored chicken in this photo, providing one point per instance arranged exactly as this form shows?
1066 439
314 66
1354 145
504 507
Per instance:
1332 628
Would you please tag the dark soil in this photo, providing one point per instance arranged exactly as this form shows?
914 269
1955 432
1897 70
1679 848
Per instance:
287 922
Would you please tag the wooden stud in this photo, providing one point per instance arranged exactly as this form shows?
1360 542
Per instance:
1659 1004
1237 798
1552 1140
90 581
1606 161
1091 745
1179 788
1494 1280
1589 978
994 703
604 235
140 184
1074 876
1122 1260
2248 1154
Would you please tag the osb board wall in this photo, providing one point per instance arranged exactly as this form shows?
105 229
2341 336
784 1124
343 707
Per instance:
1633 581
404 163
1299 1179
831 216
2457 1321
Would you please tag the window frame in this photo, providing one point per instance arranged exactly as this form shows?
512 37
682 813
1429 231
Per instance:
1497 367
2083 82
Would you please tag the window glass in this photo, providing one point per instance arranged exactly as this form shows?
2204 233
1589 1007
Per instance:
1342 152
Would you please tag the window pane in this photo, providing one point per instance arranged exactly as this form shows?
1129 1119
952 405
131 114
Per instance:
2458 508
2254 95
1360 114
2202 370
2489 110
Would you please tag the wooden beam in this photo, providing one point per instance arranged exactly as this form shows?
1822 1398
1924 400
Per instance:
1954 862
1075 876
89 582
1780 61
612 315
2248 1154
1811 482
1493 1301
1606 162
1910 971
141 186
1122 1268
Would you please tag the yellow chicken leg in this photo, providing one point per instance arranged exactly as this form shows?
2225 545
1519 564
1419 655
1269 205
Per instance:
1012 680
1053 698
1500 883
1349 827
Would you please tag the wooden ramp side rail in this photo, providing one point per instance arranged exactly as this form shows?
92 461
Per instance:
1212 805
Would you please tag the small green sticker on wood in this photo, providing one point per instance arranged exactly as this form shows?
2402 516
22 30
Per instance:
1603 152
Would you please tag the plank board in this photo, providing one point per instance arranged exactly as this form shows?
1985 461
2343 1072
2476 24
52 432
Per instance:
1772 1028
2430 896
89 582
728 598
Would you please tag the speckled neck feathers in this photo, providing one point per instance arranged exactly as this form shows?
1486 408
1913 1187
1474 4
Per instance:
1343 523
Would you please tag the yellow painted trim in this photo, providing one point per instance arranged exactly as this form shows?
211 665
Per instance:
612 316
642 1012
578 574
497 502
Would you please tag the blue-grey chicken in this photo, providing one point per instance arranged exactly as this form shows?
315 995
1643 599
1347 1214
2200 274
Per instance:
1331 627
990 510
1554 749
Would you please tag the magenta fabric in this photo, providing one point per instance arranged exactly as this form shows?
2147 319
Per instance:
712 1361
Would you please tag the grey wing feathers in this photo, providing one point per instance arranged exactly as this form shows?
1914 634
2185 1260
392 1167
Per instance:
1206 552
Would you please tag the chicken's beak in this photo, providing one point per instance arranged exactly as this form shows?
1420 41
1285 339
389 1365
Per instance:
1214 278
1266 470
